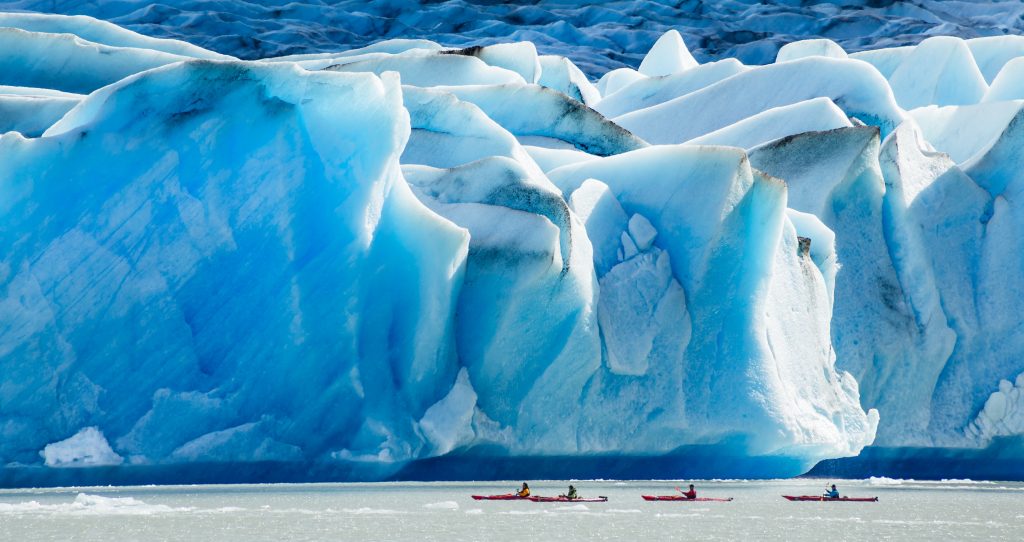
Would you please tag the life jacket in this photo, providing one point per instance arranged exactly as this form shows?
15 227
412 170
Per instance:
692 494
525 492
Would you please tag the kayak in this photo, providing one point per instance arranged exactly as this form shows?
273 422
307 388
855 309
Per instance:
819 498
507 497
682 498
567 499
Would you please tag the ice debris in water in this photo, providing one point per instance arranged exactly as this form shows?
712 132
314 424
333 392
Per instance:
366 259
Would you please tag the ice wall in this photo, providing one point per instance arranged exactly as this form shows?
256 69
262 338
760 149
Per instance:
411 259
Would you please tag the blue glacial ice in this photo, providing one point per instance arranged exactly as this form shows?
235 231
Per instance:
413 260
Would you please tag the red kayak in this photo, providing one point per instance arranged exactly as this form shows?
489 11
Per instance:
682 498
507 497
819 498
567 499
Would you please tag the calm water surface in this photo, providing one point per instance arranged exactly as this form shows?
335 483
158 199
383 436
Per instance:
908 510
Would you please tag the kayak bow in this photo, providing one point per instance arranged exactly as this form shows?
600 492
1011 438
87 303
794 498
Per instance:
507 497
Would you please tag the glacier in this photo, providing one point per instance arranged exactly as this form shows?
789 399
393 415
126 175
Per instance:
415 260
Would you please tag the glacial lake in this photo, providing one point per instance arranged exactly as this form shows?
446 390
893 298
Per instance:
907 510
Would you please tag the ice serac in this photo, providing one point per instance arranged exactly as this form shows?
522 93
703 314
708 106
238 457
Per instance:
964 131
806 48
527 253
426 68
939 71
103 32
559 73
1009 83
720 282
31 111
855 87
819 114
668 55
649 91
138 288
69 63
993 52
554 117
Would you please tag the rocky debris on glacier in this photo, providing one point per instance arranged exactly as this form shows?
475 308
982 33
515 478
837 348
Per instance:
366 260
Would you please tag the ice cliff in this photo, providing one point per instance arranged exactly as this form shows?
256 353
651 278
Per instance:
378 262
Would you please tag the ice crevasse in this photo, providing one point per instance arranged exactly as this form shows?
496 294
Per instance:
412 260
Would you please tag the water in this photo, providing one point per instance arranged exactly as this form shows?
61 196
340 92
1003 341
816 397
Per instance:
908 510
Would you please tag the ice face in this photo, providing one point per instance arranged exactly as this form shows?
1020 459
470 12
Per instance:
182 200
375 262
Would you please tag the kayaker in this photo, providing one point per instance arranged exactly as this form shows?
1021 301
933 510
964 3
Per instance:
691 494
525 492
571 494
832 493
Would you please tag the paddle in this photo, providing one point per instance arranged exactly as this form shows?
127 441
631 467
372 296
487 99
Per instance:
683 492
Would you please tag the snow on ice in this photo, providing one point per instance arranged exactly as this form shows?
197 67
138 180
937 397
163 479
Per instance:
369 260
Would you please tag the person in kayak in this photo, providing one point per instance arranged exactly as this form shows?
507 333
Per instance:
571 494
832 493
525 492
691 494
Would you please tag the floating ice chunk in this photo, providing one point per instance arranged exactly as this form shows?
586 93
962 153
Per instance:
642 232
646 92
425 68
964 131
68 63
818 114
443 505
1009 83
939 71
104 33
855 87
991 53
87 448
806 48
668 55
559 73
604 220
617 79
